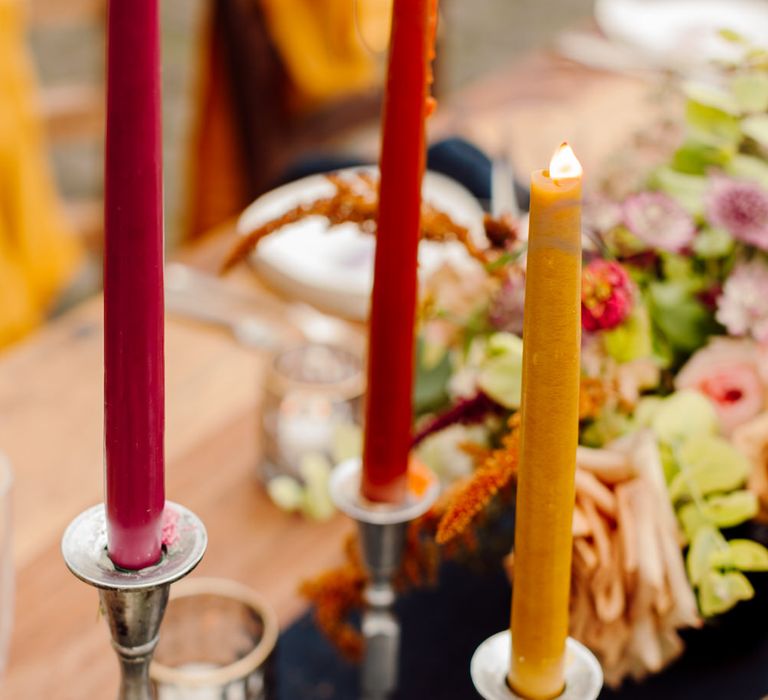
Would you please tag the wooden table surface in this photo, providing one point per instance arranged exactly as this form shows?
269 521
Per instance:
51 409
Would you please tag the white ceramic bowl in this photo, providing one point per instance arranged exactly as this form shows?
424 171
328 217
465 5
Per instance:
333 268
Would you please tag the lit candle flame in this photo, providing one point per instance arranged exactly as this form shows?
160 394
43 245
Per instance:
564 163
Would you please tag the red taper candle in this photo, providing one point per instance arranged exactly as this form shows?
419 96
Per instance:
391 347
133 287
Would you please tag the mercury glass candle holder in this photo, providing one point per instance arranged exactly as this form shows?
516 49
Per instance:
218 642
382 530
312 392
133 601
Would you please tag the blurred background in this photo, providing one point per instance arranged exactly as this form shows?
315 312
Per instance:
243 98
68 49
259 92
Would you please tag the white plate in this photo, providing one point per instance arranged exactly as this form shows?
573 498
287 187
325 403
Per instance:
333 269
681 33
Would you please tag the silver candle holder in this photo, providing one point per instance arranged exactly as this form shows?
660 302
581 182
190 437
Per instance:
133 601
382 536
490 666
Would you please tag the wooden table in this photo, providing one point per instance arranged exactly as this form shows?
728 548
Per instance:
51 410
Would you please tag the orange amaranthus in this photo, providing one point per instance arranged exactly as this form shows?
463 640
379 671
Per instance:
473 495
337 593
355 200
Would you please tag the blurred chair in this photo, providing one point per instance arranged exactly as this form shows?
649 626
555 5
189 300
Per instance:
73 111
279 78
38 250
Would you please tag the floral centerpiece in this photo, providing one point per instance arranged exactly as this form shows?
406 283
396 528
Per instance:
673 448
674 429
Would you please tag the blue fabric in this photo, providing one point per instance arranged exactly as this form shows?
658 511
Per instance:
442 628
454 157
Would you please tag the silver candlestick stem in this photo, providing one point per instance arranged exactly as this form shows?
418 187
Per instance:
133 601
382 536
490 665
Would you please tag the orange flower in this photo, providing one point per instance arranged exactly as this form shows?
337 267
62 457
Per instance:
473 495
335 594
591 398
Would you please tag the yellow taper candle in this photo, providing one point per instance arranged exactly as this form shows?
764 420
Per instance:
549 435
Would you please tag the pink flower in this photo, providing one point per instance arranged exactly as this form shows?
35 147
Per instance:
606 295
659 221
728 372
743 306
601 214
506 312
741 208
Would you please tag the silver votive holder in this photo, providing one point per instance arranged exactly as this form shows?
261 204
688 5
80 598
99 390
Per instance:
312 391
382 530
490 666
217 644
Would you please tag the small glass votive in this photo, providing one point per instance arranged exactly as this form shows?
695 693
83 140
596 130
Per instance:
313 393
216 643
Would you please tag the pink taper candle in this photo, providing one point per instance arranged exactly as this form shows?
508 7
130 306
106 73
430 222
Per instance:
133 287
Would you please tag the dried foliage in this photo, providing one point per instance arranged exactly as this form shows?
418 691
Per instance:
473 495
355 200
337 593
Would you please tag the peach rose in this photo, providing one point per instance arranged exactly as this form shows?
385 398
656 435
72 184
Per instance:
727 371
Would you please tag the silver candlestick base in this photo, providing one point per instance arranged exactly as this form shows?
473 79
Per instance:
133 601
382 536
490 666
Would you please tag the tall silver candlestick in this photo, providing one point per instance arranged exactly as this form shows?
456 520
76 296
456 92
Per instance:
133 601
490 666
382 536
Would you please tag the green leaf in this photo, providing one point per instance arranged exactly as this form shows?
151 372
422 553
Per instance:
712 125
609 426
678 268
430 390
744 555
711 96
683 417
748 555
708 464
646 410
756 127
691 519
749 168
713 243
733 37
501 373
750 91
632 339
688 190
682 319
731 509
286 493
706 541
718 593
668 462
315 469
696 158
505 259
